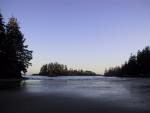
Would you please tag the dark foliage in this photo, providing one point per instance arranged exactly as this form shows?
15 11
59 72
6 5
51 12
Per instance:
137 65
54 69
14 55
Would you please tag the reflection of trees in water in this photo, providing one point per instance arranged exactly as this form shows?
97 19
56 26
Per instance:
12 84
139 91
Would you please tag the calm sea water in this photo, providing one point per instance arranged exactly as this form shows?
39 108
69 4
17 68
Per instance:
89 86
124 92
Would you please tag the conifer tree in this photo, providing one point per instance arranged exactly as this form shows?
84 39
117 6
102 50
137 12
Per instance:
137 65
2 47
143 58
18 54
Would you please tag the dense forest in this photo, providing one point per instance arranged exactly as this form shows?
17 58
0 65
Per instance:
14 55
56 69
137 65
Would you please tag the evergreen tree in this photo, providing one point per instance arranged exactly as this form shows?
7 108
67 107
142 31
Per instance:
132 68
44 70
17 52
124 68
136 66
3 65
2 34
14 55
143 58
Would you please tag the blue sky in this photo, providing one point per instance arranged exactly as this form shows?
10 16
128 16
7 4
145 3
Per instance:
88 34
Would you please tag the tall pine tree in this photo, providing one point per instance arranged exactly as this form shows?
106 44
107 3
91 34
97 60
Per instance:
14 54
3 65
18 54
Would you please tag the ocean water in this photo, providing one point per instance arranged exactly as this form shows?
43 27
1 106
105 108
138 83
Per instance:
122 93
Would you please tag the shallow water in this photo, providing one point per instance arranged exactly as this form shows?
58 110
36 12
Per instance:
98 93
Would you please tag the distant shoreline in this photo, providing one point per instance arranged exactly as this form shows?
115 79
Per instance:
119 76
129 76
55 75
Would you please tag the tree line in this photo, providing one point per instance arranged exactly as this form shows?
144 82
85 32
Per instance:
14 54
137 65
15 57
54 69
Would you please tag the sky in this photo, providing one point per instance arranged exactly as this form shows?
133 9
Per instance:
83 34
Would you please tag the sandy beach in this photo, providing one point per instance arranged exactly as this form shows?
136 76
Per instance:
76 95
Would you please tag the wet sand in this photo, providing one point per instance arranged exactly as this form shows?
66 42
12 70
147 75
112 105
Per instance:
76 96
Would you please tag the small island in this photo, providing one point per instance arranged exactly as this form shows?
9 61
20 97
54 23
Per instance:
56 69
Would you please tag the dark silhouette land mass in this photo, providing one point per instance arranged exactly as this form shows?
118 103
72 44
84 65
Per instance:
56 69
137 66
14 55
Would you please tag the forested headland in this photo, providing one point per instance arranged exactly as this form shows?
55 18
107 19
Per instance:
137 65
14 54
56 69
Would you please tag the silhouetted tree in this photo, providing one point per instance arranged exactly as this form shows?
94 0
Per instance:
44 70
14 55
143 59
132 67
3 64
136 66
124 68
113 71
18 52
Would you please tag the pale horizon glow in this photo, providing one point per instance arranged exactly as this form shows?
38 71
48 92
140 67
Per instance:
83 34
